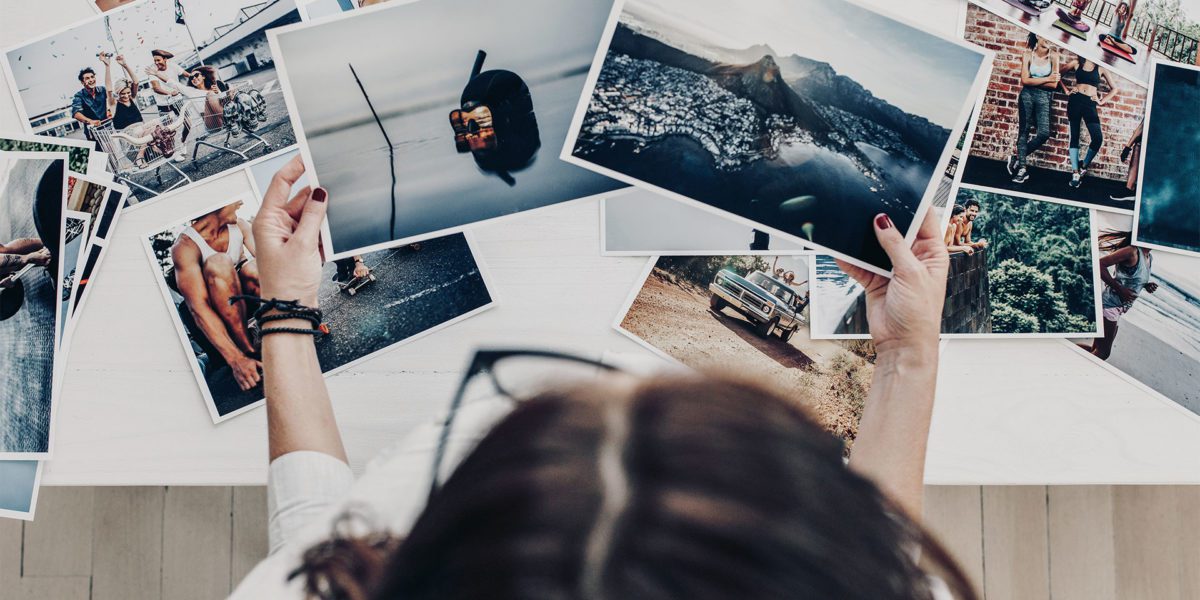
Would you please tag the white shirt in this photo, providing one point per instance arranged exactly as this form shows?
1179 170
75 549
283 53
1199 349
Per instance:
172 74
308 491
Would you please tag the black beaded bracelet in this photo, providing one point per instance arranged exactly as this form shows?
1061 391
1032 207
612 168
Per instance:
288 309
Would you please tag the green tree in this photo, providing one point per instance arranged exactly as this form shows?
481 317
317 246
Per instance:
1040 263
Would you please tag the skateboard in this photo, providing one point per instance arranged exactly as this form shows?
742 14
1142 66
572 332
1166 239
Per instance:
350 288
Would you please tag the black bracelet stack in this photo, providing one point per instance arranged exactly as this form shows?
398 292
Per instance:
288 309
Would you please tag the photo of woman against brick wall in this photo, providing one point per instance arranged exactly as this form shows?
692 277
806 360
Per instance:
1018 268
1053 125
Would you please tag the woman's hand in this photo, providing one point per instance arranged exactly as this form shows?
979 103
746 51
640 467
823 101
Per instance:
905 312
287 235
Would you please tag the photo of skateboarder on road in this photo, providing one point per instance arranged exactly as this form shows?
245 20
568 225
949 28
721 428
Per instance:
369 302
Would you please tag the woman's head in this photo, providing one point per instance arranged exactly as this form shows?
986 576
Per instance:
1123 9
1037 43
664 488
204 78
125 92
958 212
1112 240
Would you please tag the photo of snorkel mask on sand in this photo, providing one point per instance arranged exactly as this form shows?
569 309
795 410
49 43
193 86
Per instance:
496 122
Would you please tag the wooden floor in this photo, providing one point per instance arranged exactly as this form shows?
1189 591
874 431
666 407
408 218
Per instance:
1023 543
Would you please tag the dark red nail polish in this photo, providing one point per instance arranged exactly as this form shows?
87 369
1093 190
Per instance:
319 194
883 222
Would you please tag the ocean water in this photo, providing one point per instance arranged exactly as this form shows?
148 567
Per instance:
438 188
835 292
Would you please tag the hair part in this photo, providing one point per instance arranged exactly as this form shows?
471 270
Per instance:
705 487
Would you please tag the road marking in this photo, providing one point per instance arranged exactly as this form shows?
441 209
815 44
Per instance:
436 288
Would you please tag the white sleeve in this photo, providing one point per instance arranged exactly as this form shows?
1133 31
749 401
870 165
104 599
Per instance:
302 486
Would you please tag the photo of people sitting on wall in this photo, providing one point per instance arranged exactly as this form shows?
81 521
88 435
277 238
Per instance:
1054 125
1018 268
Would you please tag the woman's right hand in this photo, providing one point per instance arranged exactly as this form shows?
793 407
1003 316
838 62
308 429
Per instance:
287 235
905 312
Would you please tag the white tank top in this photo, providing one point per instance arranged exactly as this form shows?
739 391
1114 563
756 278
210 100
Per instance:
235 243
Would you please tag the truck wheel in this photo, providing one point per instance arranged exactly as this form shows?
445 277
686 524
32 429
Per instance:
787 335
767 328
716 303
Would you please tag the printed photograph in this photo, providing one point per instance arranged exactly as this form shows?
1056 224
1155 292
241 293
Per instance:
1151 305
107 5
1018 268
371 302
75 235
316 9
33 190
78 151
1054 125
791 115
749 315
19 482
416 133
1126 36
1168 209
175 91
642 223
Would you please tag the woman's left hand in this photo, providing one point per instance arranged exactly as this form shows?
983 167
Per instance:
287 235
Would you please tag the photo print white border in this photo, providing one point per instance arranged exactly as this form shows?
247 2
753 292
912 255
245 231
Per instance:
92 162
980 84
814 307
683 209
1146 141
644 275
309 166
80 259
185 344
33 497
59 364
966 155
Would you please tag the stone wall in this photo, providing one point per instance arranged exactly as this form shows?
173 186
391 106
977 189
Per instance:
968 305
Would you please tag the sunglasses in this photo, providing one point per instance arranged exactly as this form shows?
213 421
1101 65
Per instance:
513 375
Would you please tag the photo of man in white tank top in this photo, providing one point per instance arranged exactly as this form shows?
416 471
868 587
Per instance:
213 260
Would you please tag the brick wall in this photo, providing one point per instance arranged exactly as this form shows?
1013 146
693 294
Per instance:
968 307
996 133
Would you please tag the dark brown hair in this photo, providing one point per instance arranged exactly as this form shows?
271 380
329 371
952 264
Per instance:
678 488
1112 240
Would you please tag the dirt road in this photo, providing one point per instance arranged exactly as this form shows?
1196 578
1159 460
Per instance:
825 377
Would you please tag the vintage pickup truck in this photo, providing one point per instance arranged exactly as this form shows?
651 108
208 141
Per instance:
769 303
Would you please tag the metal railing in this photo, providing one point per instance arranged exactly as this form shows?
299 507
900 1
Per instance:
1174 45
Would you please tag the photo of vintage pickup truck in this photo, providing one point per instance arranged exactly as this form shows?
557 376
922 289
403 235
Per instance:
770 303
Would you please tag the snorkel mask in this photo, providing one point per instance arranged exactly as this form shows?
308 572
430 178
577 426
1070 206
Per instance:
496 122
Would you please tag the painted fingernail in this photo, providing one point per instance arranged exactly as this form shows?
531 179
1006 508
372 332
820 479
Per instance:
883 222
319 194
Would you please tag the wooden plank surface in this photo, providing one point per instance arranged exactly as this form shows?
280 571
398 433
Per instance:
249 531
127 535
1081 543
955 515
62 513
1015 552
197 538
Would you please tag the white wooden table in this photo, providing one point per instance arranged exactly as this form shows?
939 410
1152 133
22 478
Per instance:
1008 412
